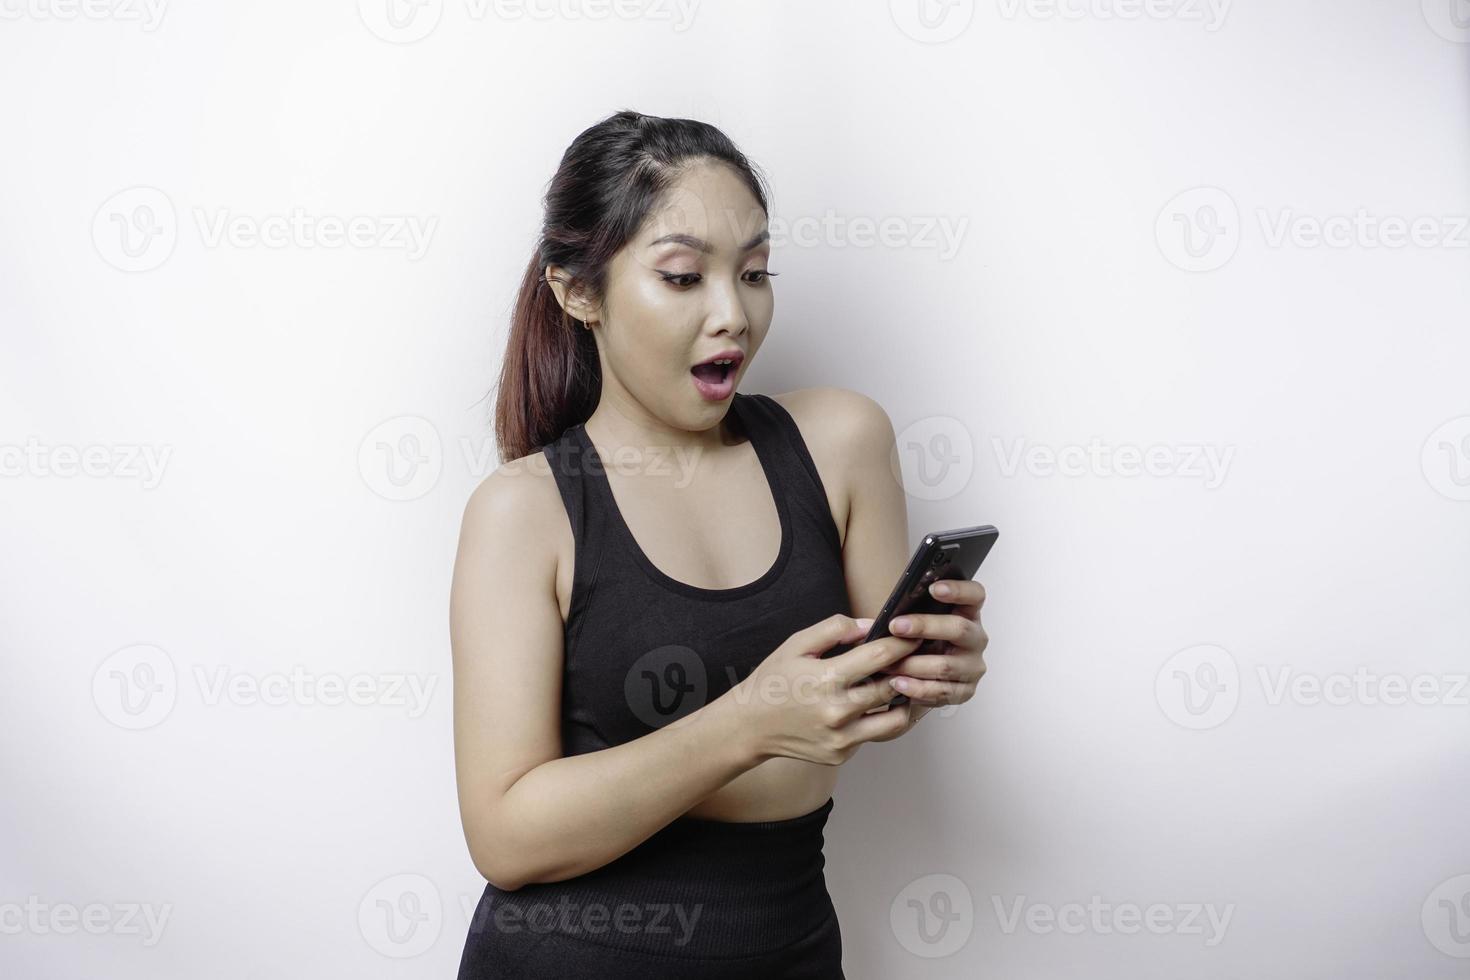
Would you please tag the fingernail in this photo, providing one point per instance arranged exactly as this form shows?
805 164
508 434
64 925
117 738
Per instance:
901 624
941 589
865 623
899 683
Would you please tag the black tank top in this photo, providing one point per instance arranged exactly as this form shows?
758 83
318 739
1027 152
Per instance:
643 649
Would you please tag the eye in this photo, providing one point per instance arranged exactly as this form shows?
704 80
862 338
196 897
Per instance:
684 280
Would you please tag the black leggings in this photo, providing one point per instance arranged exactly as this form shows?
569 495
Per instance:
700 899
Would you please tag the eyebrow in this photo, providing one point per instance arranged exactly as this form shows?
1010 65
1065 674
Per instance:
701 245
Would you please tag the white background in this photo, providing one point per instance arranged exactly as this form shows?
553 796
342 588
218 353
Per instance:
1084 303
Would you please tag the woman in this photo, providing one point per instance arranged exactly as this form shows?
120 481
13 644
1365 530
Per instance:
646 735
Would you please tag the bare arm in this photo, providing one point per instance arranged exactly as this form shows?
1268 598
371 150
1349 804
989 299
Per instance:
529 814
876 546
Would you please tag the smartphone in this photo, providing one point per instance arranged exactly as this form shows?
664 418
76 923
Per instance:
953 554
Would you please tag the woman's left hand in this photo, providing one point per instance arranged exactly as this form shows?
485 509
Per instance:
947 669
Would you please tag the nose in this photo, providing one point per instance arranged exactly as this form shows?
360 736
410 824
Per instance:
727 311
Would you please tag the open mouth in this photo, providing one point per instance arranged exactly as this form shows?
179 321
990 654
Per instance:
713 372
715 377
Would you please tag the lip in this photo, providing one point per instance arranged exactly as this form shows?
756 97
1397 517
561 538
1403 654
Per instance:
734 355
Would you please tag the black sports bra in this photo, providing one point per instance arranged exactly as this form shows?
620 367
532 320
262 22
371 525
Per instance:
643 649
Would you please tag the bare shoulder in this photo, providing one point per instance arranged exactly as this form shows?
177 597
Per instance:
517 507
839 421
849 437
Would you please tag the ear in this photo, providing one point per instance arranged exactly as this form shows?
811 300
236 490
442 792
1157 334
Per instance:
573 299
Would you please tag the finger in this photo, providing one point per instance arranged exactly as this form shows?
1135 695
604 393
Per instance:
932 692
966 596
882 653
867 695
879 725
835 629
962 667
925 648
869 658
958 630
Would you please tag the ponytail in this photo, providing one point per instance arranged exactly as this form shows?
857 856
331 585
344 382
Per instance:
550 378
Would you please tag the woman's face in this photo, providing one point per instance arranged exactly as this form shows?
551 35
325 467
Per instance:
690 285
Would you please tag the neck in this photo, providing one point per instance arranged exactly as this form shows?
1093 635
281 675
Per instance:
619 423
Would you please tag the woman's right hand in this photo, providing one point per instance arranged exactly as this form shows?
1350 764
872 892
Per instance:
800 706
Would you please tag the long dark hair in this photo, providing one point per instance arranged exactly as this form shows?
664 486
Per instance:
609 179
